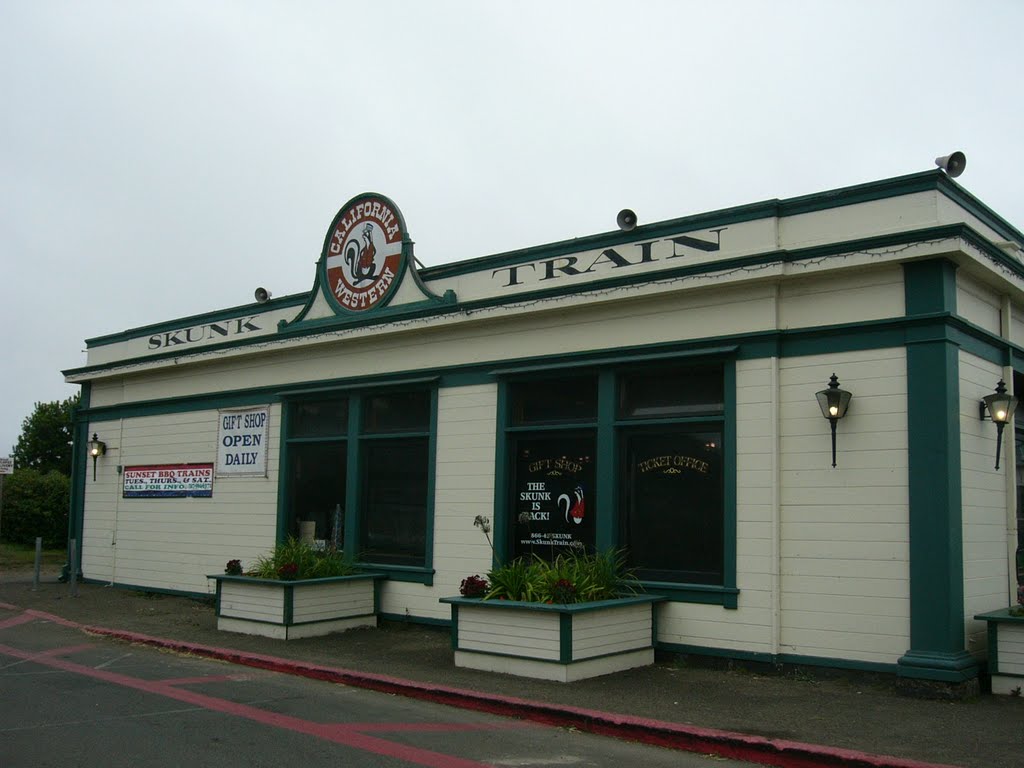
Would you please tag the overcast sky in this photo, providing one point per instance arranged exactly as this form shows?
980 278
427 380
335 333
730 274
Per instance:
159 160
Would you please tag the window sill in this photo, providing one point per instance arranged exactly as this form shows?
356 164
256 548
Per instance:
410 573
707 594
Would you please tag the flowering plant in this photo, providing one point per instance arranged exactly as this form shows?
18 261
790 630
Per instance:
233 568
294 559
473 586
288 572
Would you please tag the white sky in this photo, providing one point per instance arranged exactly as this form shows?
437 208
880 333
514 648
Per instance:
159 160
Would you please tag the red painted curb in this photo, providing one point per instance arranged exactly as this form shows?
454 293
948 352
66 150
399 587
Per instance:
730 744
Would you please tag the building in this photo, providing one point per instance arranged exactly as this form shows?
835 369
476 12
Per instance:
652 389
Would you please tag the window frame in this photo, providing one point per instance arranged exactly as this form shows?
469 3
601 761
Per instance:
355 438
609 429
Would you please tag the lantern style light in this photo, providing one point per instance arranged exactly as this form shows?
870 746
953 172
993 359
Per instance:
97 448
1000 407
833 402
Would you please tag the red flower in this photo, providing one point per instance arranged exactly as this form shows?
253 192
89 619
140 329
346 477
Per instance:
288 572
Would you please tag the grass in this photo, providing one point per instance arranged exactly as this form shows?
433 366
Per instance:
24 556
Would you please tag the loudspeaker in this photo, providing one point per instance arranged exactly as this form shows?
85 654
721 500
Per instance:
262 295
953 164
626 220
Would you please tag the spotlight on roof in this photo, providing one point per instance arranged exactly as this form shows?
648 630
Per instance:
953 164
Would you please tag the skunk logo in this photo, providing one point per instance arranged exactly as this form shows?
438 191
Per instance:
360 257
574 505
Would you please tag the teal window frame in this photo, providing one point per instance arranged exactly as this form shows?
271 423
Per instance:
608 429
355 438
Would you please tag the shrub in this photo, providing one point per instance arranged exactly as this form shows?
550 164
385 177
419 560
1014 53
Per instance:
294 559
569 578
36 504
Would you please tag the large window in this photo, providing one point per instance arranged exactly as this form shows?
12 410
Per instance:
629 457
358 468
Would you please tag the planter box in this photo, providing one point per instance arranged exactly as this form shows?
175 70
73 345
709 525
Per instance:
1005 651
292 609
553 642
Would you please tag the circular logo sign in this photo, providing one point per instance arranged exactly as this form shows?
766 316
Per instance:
363 252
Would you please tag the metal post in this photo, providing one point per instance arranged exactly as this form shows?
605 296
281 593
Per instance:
39 559
1 502
73 552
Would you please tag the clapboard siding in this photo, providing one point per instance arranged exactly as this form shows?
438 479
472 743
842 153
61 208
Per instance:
1011 649
844 538
521 632
856 297
984 502
463 489
977 304
172 543
322 602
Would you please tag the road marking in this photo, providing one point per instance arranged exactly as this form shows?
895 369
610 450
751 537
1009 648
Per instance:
338 734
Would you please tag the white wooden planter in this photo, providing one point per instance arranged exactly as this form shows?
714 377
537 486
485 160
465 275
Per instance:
553 642
293 609
1005 651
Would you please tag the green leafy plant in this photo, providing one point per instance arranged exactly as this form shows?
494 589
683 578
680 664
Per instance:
576 577
294 559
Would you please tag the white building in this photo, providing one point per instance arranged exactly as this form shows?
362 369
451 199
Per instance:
651 389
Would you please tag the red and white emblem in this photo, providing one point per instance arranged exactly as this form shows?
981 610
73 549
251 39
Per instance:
363 253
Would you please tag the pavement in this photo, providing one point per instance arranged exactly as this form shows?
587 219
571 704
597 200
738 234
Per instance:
800 718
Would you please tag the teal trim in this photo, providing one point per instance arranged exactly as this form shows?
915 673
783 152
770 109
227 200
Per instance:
607 531
401 618
153 590
289 605
705 594
501 525
283 477
455 626
79 473
992 634
565 637
216 604
929 286
992 620
192 321
601 362
222 577
776 659
344 388
729 523
405 573
428 542
934 472
745 263
567 608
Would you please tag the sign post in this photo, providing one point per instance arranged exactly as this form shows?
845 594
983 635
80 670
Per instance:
6 468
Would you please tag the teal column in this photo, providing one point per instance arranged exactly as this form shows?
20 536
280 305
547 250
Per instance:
79 473
936 540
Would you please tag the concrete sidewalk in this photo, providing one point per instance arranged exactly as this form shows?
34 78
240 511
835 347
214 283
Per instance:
797 720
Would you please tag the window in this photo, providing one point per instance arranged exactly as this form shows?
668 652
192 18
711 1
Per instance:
358 466
626 457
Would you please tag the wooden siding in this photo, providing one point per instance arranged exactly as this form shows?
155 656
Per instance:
984 501
173 543
320 602
1010 650
254 602
531 634
600 633
844 539
977 304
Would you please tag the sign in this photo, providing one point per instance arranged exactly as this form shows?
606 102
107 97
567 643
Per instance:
242 442
554 502
6 465
168 481
362 257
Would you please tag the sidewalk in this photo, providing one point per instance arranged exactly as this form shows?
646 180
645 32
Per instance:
801 720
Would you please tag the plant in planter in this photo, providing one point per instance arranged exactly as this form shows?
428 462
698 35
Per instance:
578 615
296 590
1006 646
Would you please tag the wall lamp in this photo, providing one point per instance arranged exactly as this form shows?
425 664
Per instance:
834 402
97 448
1000 407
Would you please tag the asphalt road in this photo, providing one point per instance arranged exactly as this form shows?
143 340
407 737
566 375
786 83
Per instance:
68 699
